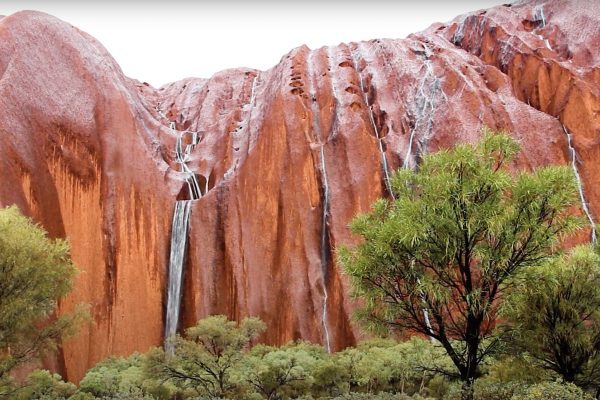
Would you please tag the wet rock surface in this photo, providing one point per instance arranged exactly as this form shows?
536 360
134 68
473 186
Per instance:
284 159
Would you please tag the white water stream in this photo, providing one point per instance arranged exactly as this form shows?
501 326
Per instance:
179 236
356 54
538 16
316 128
584 205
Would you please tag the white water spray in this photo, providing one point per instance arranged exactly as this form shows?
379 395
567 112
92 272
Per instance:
459 34
330 65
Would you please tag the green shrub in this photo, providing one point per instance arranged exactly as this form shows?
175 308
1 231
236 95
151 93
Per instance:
379 396
507 377
553 391
42 384
129 394
490 390
118 377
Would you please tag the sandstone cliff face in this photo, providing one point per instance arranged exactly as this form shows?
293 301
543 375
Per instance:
286 158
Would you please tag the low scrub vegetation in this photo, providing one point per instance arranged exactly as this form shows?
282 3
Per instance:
214 360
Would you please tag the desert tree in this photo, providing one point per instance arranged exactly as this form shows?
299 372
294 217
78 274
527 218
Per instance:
436 260
206 357
35 273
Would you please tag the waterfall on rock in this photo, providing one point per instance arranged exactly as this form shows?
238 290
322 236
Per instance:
325 249
325 246
384 163
179 235
584 204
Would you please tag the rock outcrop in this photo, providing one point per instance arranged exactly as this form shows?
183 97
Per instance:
285 158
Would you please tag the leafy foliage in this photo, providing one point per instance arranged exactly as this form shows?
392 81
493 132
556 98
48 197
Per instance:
205 358
557 319
35 272
435 260
118 377
553 391
43 385
274 372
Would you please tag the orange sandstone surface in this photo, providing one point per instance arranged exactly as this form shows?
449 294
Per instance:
286 157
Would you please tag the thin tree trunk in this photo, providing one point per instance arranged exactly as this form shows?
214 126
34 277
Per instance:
467 392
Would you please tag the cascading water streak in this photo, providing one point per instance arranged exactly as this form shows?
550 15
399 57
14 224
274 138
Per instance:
182 157
325 247
253 92
179 236
316 126
427 93
425 101
540 18
584 205
384 162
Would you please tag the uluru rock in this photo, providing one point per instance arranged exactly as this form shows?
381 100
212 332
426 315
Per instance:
285 158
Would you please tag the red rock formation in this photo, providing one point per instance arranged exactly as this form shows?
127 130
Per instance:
286 158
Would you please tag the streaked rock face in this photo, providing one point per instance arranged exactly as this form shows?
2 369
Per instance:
286 158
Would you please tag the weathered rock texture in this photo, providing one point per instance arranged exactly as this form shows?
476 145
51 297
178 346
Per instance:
287 156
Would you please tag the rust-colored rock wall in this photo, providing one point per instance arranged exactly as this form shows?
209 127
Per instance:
79 154
286 158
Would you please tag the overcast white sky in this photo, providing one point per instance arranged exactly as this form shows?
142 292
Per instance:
160 42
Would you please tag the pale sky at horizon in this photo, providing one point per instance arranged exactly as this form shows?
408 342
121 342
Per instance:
161 42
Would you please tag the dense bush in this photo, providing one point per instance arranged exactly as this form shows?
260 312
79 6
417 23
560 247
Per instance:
42 384
379 396
557 320
378 369
553 391
116 378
